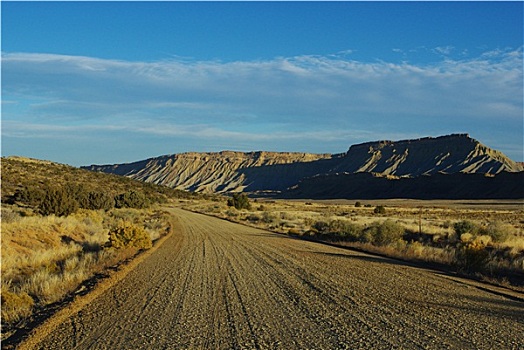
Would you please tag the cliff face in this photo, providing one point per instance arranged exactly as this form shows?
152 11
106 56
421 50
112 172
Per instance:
277 171
446 154
225 171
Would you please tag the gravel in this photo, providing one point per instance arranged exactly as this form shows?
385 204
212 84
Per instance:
218 285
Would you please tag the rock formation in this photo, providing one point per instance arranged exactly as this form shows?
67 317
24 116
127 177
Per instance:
278 172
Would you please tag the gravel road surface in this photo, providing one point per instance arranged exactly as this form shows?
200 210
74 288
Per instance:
219 285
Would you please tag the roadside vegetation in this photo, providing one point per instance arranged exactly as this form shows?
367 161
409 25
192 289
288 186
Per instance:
62 226
484 243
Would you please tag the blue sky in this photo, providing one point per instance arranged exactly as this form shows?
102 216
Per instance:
111 82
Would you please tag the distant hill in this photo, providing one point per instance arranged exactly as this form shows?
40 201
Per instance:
35 177
276 172
225 171
446 154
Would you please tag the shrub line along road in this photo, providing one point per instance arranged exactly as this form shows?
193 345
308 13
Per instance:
220 285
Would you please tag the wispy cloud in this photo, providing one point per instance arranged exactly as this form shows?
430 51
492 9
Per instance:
318 98
199 131
444 50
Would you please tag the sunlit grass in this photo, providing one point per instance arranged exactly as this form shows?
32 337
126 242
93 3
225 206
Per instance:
47 258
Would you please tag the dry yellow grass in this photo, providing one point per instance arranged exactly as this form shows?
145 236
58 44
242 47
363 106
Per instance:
46 258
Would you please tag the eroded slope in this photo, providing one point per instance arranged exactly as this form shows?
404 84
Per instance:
277 171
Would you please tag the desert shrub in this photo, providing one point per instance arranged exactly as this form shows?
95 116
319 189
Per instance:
379 209
498 231
58 201
472 256
127 214
97 200
383 233
15 306
465 226
358 204
321 227
239 201
253 218
269 218
287 216
126 235
30 195
345 229
131 199
231 213
62 200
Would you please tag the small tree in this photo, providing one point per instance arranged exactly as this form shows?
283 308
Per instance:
379 209
59 202
239 201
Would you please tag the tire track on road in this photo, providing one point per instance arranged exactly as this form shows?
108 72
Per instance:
219 285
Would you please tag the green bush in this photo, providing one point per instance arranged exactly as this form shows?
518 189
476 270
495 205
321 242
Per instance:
345 229
321 227
358 204
269 218
66 199
337 229
30 195
498 231
131 199
383 233
58 201
253 218
99 200
465 226
379 209
127 235
239 201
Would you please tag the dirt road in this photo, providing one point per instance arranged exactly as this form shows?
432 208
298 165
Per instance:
218 285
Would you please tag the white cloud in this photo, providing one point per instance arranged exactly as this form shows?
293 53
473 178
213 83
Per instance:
444 50
306 97
270 88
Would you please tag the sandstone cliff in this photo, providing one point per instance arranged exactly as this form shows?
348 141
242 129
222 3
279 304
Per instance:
275 172
447 154
225 171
